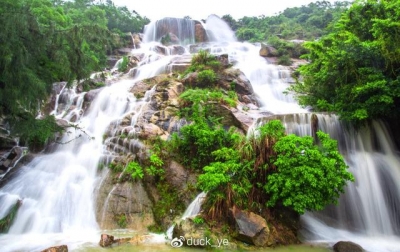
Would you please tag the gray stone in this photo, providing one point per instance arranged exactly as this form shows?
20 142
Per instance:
347 246
251 228
106 240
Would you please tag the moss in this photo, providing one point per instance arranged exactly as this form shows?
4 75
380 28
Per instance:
7 221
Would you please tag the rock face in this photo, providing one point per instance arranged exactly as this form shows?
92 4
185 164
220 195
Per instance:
251 228
8 161
62 248
268 51
192 233
124 205
347 246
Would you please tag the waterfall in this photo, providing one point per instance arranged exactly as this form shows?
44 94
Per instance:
168 28
58 189
192 210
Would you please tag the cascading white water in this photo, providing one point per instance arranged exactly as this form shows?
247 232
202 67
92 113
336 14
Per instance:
184 29
192 210
367 213
57 189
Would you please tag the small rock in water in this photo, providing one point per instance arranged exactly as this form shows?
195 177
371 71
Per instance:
106 240
62 248
347 246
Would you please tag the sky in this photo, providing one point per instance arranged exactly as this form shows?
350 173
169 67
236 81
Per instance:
201 9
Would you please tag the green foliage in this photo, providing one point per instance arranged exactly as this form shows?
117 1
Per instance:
203 60
42 42
354 70
135 170
123 65
169 200
121 221
34 132
116 167
197 102
156 166
270 167
198 220
308 176
284 60
206 77
6 221
307 22
196 141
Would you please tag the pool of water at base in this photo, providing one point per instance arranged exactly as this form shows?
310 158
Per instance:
167 248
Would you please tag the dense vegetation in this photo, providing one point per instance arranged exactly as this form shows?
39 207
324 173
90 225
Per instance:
44 41
354 70
305 22
286 30
267 169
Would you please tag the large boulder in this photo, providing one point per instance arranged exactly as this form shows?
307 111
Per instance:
193 234
11 159
123 205
251 228
200 33
268 51
106 240
347 246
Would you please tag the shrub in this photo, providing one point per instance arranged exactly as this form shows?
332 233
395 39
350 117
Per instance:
135 170
308 176
206 77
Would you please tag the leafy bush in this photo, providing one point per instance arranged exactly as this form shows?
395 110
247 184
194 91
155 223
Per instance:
196 141
156 166
35 132
135 170
271 167
206 77
203 60
308 176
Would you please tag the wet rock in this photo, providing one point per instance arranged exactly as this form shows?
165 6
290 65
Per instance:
347 246
177 50
176 175
11 159
251 228
243 120
192 233
124 51
140 88
200 33
137 40
123 205
268 51
62 248
106 240
150 131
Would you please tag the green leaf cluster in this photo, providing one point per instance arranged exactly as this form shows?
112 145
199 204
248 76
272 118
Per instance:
353 71
135 170
306 22
46 41
308 176
272 167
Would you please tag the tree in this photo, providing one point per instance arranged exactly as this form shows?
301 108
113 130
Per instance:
308 176
354 70
42 44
